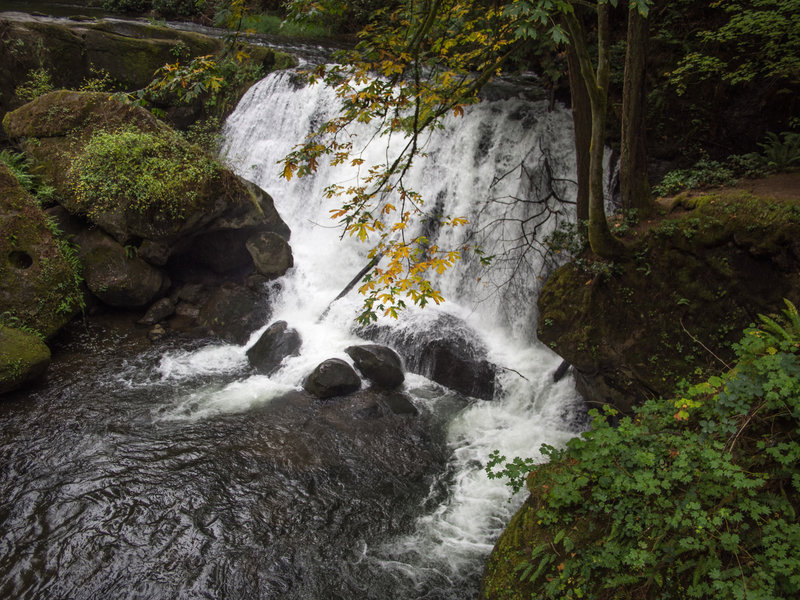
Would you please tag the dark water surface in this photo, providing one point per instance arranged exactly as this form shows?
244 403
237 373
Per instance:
105 493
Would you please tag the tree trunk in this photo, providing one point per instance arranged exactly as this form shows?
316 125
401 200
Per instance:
582 123
634 185
601 241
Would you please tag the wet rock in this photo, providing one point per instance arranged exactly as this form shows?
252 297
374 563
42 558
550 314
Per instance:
24 359
332 377
380 364
445 350
270 253
232 313
400 404
159 311
448 365
156 333
275 344
117 277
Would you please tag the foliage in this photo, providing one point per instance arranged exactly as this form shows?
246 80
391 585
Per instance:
72 295
759 41
164 8
782 151
413 66
205 133
20 167
100 81
691 498
38 83
153 173
210 80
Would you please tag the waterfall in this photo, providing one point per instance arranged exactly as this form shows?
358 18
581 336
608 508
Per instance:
505 165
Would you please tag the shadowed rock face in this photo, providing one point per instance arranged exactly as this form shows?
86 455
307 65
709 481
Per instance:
332 377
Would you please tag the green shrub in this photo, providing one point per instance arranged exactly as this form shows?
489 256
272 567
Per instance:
695 497
782 151
36 84
154 173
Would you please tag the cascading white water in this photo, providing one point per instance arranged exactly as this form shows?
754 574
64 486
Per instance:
501 166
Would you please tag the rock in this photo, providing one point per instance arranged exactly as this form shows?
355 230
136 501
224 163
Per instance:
156 333
56 129
24 359
271 254
232 313
400 404
275 344
116 276
380 364
446 363
159 311
332 377
193 293
445 350
39 286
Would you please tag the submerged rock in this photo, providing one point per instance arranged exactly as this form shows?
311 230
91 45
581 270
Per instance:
332 377
24 359
380 364
275 344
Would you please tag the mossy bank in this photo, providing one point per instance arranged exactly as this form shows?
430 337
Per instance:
694 280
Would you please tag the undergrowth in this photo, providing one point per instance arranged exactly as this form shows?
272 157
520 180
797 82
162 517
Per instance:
694 497
152 173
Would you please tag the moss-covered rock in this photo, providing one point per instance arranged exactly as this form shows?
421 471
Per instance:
39 286
24 358
74 52
133 176
633 329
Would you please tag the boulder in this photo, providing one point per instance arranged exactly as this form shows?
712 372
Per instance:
73 52
271 254
39 285
275 344
446 363
117 276
24 359
73 135
159 311
332 377
232 312
445 350
380 364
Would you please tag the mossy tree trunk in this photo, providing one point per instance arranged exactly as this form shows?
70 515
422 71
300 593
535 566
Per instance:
582 123
634 186
596 82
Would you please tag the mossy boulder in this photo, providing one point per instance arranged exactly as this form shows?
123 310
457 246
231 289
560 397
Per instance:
118 167
39 286
24 358
634 328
